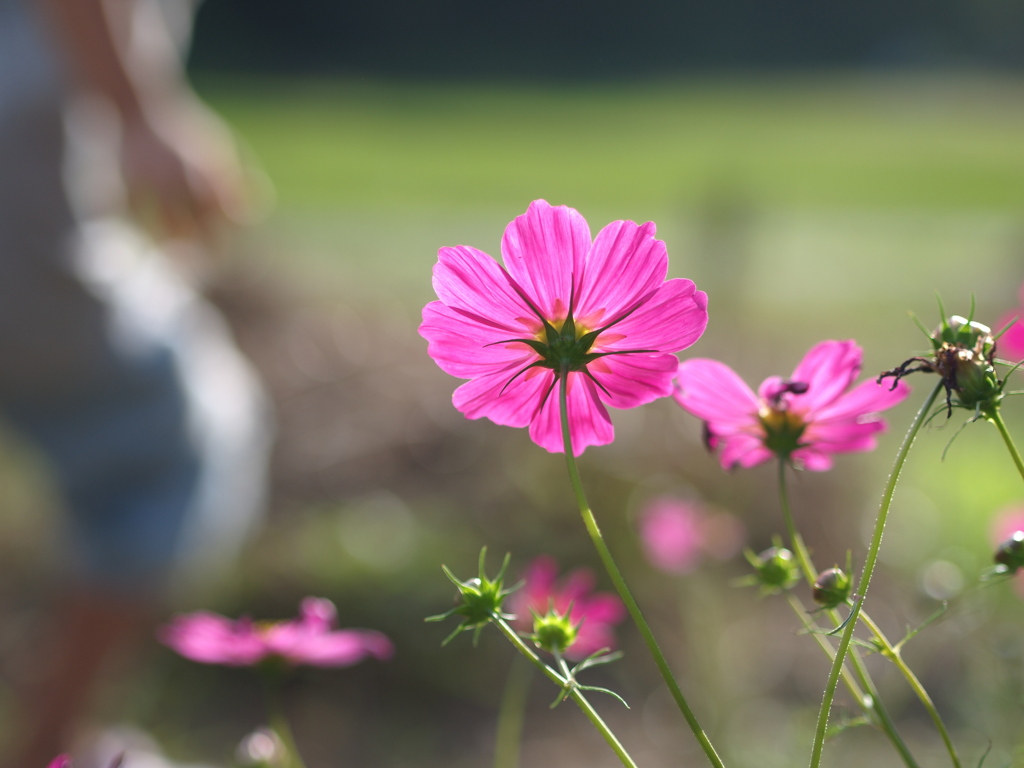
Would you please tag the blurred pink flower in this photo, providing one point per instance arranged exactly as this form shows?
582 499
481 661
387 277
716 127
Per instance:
1011 344
598 612
676 533
60 761
1006 523
309 639
601 310
805 418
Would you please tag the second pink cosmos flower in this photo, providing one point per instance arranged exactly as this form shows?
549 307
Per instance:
309 639
804 419
598 313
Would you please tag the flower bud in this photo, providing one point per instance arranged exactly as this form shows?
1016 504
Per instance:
961 332
963 356
554 632
1010 554
478 600
776 568
832 588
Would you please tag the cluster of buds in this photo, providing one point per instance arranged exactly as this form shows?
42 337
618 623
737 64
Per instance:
963 355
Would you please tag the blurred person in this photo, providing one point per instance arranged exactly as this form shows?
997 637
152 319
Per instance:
110 363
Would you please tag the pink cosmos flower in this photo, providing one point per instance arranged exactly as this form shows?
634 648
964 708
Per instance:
309 639
598 612
1011 343
598 313
805 418
676 533
60 761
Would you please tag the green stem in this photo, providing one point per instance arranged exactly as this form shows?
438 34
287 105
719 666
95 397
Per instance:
865 580
620 585
809 626
997 418
279 721
892 653
876 706
574 693
511 716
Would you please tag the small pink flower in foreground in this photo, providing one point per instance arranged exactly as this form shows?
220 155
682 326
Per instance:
1011 343
598 612
676 533
804 419
309 639
600 314
60 761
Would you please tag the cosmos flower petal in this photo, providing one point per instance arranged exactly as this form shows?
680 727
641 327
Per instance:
474 284
213 639
829 368
1011 344
589 423
840 437
638 261
744 450
577 586
341 648
603 608
632 380
543 250
465 348
866 398
504 400
712 391
672 319
812 459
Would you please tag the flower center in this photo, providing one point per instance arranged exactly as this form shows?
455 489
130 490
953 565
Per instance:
565 346
783 428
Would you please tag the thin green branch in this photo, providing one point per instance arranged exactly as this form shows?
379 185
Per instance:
620 585
574 693
872 704
892 653
511 716
997 418
865 580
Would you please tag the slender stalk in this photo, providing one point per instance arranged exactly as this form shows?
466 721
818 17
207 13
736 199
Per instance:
798 609
620 585
997 418
278 720
574 693
511 716
865 580
892 653
810 573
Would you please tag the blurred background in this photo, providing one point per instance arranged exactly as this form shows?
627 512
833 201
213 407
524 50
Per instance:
819 171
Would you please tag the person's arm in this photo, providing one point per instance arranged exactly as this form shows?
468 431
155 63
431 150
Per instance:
181 172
